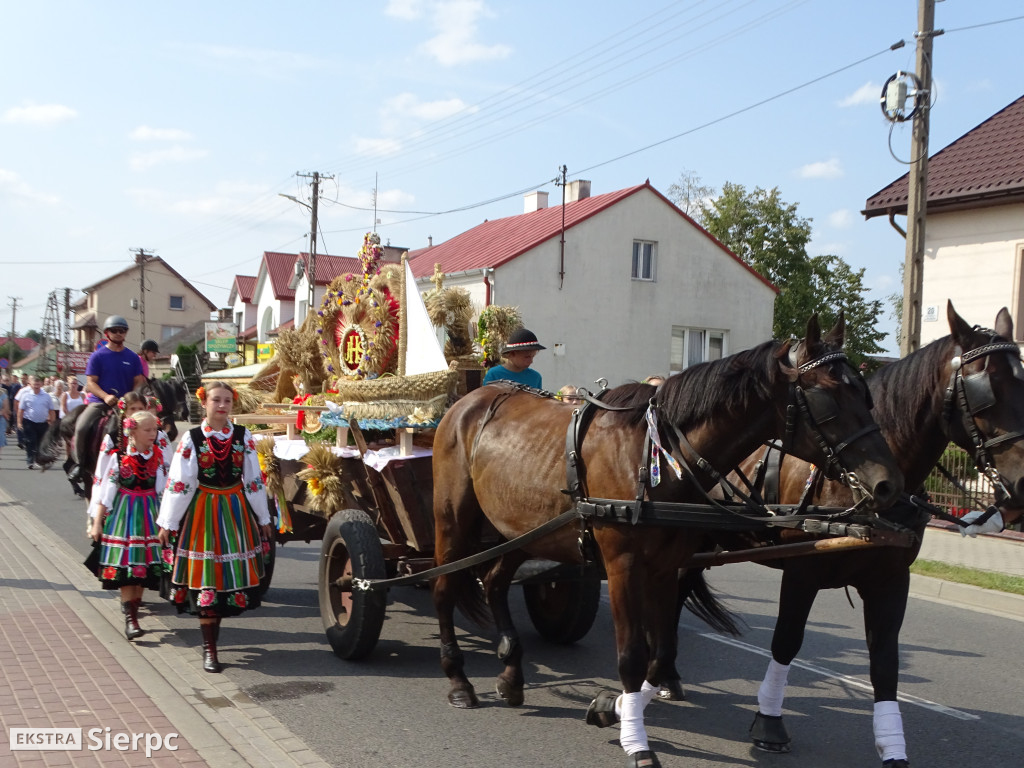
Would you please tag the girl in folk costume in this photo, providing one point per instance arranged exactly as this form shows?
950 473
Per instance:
127 406
124 524
215 495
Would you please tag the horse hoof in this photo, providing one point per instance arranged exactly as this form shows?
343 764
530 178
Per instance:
769 733
672 690
644 759
463 699
895 762
512 694
601 712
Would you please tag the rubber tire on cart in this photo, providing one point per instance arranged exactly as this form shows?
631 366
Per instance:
563 611
268 563
352 620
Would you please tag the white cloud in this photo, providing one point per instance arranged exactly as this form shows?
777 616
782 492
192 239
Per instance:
841 219
228 198
397 112
377 147
407 10
868 93
145 133
141 161
12 184
39 114
456 23
825 169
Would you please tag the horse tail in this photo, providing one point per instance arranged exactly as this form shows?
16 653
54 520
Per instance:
50 438
701 601
470 598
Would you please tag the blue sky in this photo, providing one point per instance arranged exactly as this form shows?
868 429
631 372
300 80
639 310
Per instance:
175 127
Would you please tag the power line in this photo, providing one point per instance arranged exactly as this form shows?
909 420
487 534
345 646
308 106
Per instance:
984 24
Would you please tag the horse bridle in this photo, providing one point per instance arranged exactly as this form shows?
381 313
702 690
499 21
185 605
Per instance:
818 409
972 393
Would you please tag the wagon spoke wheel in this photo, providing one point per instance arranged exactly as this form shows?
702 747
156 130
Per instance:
351 550
563 611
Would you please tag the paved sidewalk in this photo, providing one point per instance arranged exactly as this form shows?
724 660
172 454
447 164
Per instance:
65 663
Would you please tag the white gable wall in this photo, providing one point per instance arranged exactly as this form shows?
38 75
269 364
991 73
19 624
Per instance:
973 258
615 327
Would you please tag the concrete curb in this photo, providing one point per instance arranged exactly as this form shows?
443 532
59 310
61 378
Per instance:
967 596
221 722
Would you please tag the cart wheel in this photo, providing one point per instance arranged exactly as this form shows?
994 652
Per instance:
563 611
268 561
352 620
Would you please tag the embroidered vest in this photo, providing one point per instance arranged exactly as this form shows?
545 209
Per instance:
220 461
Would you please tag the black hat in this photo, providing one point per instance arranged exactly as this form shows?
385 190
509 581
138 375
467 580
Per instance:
521 340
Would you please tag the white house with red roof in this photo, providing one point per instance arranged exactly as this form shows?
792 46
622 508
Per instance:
974 229
243 310
274 299
327 268
622 285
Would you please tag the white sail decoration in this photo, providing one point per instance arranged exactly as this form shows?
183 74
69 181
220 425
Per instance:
423 354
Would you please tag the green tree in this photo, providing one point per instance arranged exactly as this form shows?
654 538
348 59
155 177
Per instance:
11 351
36 336
770 236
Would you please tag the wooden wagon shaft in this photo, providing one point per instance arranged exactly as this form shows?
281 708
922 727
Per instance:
798 549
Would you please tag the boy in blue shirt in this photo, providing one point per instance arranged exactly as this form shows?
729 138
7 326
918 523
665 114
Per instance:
520 349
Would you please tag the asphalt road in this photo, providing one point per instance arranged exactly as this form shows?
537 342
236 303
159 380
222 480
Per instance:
960 668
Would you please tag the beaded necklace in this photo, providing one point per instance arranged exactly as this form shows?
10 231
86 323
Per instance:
220 449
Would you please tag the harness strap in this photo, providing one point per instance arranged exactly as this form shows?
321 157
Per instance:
364 585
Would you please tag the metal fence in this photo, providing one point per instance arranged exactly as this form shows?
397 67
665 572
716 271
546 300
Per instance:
961 466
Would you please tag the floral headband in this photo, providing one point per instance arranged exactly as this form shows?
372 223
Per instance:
201 394
128 424
154 402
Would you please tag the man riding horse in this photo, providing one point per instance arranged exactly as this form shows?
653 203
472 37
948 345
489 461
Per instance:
113 370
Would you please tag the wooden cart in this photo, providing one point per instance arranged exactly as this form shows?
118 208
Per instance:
386 529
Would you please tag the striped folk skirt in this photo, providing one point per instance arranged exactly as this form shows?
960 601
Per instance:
219 560
130 551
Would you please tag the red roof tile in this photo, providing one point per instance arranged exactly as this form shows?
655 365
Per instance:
329 267
245 285
493 243
280 267
249 333
985 166
23 343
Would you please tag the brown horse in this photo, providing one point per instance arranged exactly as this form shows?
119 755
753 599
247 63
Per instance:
499 459
921 404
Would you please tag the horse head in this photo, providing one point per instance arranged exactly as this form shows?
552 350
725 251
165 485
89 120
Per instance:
828 419
170 393
985 404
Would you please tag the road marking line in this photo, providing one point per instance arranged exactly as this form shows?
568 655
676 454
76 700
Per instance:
856 682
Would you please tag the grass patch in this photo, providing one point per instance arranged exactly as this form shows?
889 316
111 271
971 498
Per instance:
984 579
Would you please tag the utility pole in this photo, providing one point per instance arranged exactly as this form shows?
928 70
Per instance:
561 255
67 318
13 302
311 266
141 255
917 193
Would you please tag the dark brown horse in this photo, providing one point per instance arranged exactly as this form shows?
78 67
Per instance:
499 460
921 405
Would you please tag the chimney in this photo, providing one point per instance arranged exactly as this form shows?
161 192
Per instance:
534 201
577 190
430 241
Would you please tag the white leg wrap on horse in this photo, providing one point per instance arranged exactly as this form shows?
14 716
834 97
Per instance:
648 691
633 735
888 723
772 692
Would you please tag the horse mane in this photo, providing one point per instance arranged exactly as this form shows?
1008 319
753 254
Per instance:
704 390
902 400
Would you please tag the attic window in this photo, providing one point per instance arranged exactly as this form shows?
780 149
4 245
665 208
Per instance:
643 259
177 302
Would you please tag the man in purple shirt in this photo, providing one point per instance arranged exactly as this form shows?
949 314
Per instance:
112 372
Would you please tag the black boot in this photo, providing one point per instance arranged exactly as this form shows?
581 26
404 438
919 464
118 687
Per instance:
210 663
132 629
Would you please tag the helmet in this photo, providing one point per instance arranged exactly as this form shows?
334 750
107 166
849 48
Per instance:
115 321
150 345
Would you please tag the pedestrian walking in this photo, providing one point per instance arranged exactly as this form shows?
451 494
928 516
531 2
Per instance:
215 496
130 557
5 419
35 413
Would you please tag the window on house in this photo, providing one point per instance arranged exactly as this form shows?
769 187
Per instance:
643 259
695 345
166 331
301 314
238 321
177 302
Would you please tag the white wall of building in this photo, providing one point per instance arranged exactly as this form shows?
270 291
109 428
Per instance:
604 323
973 258
270 312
